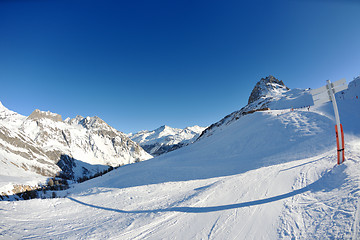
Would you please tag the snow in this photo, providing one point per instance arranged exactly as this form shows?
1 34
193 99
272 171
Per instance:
167 135
10 118
34 145
12 173
267 175
155 142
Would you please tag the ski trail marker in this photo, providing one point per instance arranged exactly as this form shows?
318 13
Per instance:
325 94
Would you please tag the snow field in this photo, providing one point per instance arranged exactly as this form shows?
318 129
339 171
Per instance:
268 175
211 189
246 205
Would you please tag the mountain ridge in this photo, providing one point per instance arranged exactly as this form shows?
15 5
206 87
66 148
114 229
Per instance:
166 139
268 93
45 145
273 173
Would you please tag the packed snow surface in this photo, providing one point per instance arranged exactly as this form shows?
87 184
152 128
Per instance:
267 175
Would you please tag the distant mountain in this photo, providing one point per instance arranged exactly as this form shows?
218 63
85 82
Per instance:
165 139
42 145
268 93
265 175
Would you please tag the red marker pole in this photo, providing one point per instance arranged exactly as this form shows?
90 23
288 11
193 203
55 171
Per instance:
325 94
340 149
338 126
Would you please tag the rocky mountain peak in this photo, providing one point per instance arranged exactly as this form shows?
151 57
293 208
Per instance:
42 145
78 118
74 121
162 128
264 86
93 122
37 115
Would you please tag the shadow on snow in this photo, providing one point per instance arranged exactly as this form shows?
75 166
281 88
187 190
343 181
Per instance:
332 179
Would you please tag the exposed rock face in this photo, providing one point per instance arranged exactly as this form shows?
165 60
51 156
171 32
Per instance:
18 150
43 144
268 93
37 115
264 86
166 139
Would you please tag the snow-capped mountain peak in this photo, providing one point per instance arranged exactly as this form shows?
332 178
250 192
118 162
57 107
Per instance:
165 131
38 115
74 121
194 128
266 87
10 118
44 145
268 93
165 139
5 112
93 122
273 173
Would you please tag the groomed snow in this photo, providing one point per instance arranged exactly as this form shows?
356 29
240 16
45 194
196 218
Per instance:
268 175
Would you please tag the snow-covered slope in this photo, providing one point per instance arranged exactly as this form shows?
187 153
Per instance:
10 118
267 175
41 145
268 93
165 139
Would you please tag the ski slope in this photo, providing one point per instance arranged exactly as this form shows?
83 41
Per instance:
268 175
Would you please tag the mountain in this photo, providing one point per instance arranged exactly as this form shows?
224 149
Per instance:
165 139
268 93
269 174
42 145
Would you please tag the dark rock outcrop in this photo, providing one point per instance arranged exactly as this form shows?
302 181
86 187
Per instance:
263 86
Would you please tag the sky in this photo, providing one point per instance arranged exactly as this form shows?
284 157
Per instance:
142 64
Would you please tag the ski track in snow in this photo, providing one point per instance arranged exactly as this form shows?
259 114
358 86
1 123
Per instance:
216 217
356 222
328 210
268 175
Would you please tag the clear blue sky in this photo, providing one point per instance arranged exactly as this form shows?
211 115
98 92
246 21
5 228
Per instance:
142 64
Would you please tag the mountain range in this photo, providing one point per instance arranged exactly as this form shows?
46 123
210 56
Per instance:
40 146
166 139
266 171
